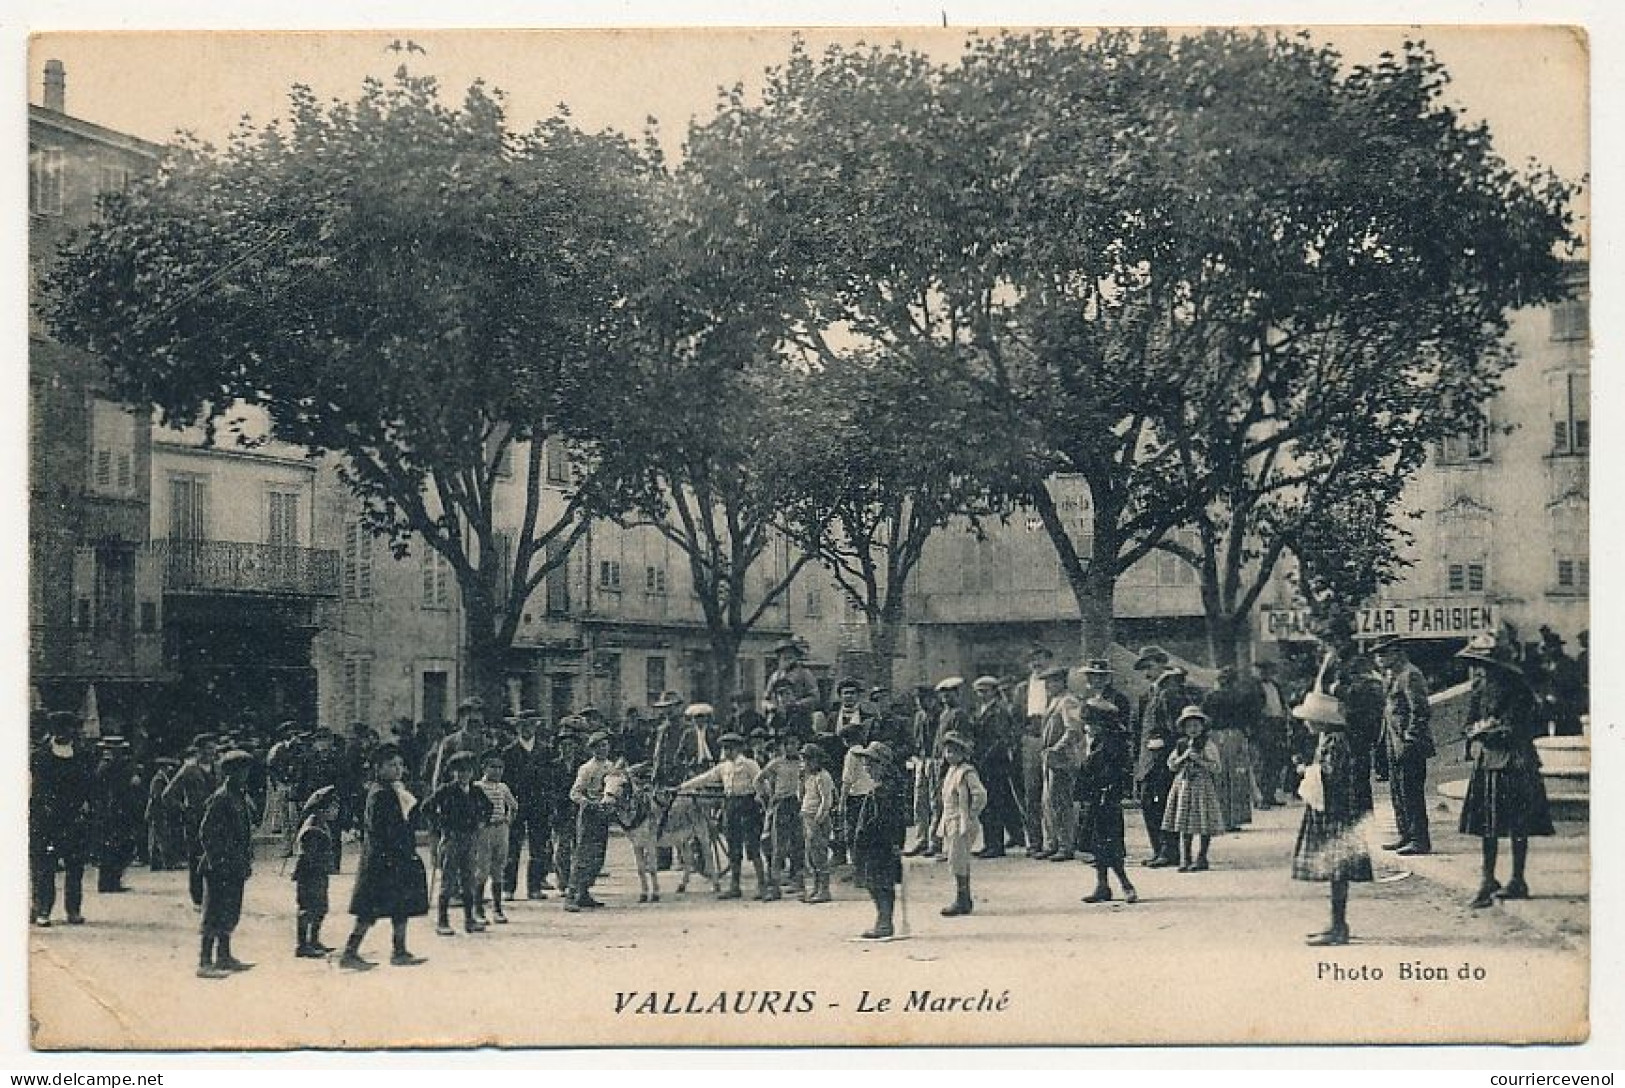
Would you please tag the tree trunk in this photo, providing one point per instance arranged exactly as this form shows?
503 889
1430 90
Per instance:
884 632
724 668
486 664
1227 639
1095 606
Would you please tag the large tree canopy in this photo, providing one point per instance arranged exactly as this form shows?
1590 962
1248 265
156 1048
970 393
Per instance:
407 285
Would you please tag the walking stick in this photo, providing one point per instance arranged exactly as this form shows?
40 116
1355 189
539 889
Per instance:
905 931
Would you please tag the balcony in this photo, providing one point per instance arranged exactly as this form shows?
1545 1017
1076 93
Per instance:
230 567
108 653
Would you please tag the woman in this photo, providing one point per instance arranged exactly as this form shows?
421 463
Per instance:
1331 845
879 825
390 882
1233 708
1505 797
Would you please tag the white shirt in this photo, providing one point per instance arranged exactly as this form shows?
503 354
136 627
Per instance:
1037 699
736 776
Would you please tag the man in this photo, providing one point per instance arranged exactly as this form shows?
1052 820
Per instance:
188 791
1031 703
994 741
785 716
61 787
668 732
525 771
226 855
558 775
1269 737
803 685
736 773
849 711
1098 678
1061 753
469 736
118 809
697 743
282 774
592 824
745 716
1408 735
1158 716
164 849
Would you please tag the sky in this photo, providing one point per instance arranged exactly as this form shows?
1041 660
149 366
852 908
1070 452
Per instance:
1530 84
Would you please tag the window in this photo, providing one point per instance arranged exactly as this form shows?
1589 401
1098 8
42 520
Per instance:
1465 578
1571 319
358 688
282 519
436 579
81 613
45 180
558 580
557 455
1171 570
1473 445
115 588
149 617
814 600
357 556
112 179
188 507
112 449
654 679
1573 574
609 575
1571 413
505 544
654 580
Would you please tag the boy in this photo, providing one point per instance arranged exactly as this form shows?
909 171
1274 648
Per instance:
592 824
778 788
225 858
491 844
817 814
459 811
736 773
959 827
312 868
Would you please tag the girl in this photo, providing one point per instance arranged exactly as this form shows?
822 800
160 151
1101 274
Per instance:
1505 797
1193 811
1331 841
963 800
390 882
1100 788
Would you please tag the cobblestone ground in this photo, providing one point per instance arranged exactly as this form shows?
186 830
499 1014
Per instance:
1215 956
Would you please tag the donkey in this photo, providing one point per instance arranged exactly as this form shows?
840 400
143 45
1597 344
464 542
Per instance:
653 818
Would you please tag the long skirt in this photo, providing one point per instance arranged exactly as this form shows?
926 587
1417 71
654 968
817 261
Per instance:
1235 782
1331 849
1506 803
1105 840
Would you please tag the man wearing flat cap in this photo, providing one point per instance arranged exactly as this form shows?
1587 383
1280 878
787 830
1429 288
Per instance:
803 685
188 791
524 769
995 739
1158 717
118 810
1061 750
668 737
226 860
1031 701
592 824
469 736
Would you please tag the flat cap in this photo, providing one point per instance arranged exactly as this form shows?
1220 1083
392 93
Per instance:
950 683
696 710
985 683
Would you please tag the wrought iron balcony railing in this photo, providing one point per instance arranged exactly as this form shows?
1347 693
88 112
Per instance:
223 566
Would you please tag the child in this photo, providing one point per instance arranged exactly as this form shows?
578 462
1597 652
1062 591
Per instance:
960 826
389 883
225 858
1331 840
312 869
1100 788
593 810
879 825
1193 812
491 843
778 788
817 816
460 811
736 773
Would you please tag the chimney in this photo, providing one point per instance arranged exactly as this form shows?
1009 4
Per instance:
56 86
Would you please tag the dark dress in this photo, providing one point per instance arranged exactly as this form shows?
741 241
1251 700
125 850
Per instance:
1331 844
1506 797
390 881
878 828
313 866
1100 789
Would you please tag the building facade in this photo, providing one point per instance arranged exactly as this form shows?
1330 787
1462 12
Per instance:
95 608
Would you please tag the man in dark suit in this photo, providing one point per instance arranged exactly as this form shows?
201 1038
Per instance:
1158 716
62 782
524 764
994 741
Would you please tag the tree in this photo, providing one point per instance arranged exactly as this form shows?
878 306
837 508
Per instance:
408 286
880 452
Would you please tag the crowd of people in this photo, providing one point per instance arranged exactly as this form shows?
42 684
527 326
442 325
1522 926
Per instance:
1041 763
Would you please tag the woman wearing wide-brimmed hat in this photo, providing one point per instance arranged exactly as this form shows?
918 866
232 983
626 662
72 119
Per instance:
1331 844
1506 798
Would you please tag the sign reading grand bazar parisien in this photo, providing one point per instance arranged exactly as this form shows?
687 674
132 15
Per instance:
1408 619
